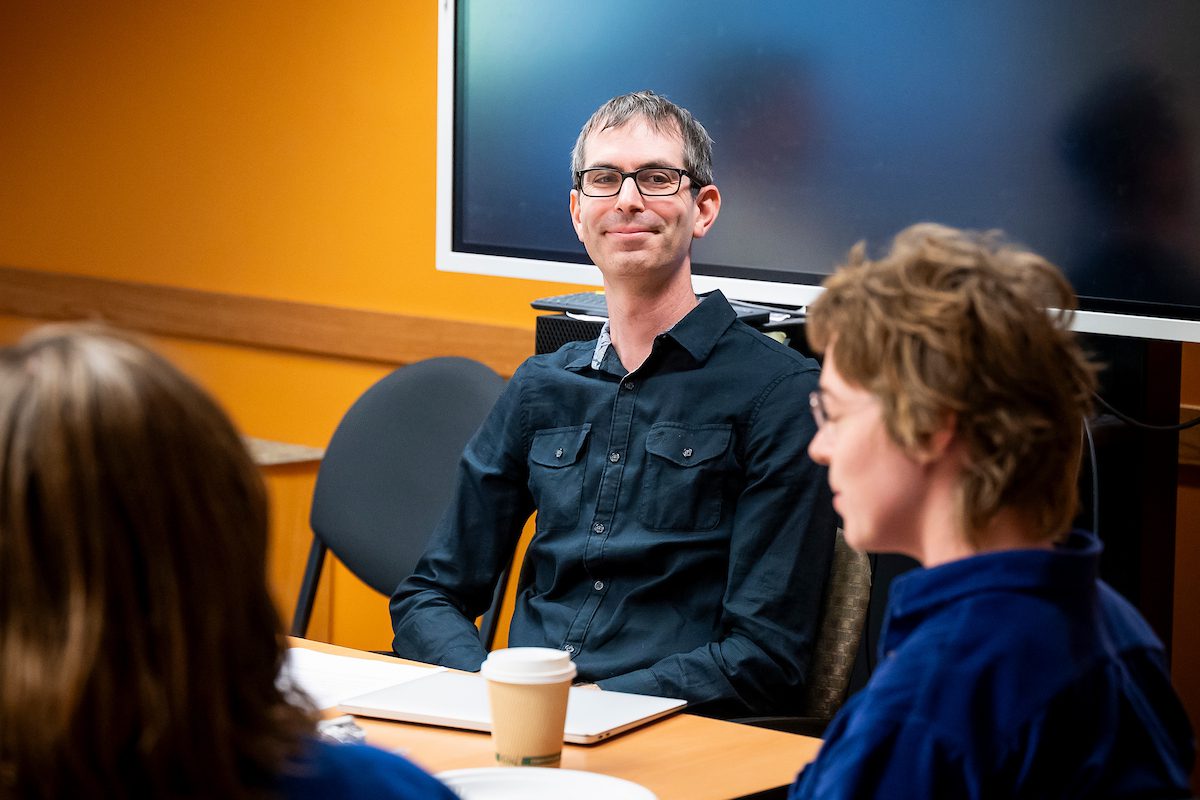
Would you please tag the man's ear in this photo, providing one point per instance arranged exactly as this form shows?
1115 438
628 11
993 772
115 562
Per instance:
576 219
708 205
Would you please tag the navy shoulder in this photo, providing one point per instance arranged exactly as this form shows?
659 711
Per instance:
773 348
357 771
1127 628
569 353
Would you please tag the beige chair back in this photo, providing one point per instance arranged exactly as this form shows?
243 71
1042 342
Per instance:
843 615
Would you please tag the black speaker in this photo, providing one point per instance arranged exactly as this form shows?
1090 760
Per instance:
552 331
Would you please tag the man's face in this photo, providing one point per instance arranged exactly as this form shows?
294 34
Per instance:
631 235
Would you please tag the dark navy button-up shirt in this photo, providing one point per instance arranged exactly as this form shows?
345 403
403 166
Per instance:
1010 674
683 535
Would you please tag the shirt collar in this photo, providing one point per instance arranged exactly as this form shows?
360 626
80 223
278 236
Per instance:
602 343
697 332
1066 570
584 359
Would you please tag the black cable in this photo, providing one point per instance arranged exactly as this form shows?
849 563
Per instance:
1128 420
872 656
1087 432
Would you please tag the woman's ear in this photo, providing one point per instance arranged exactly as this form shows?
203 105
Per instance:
940 441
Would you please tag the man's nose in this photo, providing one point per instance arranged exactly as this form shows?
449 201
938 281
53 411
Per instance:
630 198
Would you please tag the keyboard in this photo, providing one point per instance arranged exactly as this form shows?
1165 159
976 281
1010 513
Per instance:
594 305
590 303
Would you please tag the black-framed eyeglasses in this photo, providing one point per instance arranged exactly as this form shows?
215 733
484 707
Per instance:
650 181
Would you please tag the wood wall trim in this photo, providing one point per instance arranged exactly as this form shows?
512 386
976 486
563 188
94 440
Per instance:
1189 438
260 322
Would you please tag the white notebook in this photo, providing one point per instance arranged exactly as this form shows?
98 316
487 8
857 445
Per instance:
459 700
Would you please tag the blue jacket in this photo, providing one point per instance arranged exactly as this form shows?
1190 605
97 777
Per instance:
1005 675
356 772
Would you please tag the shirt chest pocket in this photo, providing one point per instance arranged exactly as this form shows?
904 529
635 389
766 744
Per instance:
556 468
684 479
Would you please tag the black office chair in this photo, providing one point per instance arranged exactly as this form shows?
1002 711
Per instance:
389 473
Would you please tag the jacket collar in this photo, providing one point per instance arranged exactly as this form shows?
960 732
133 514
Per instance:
1068 570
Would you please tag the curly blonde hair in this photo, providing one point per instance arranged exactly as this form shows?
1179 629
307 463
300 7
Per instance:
959 324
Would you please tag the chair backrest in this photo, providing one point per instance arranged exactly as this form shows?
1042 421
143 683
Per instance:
389 471
845 609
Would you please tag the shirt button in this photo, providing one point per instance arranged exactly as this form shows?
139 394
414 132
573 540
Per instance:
598 585
687 452
558 453
598 527
629 385
570 648
614 457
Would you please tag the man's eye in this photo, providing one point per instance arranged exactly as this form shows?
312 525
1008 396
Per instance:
604 177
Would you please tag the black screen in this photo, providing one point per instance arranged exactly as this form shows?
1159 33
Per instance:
1072 125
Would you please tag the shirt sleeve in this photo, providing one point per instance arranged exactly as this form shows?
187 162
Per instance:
779 557
434 609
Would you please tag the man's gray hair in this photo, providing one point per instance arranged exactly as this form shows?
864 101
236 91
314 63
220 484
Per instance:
662 116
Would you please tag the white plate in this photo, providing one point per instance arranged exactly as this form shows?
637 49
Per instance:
539 783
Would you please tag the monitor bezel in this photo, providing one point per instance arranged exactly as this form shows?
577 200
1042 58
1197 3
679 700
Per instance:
780 288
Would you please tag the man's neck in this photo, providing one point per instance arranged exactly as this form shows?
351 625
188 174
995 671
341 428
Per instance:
636 317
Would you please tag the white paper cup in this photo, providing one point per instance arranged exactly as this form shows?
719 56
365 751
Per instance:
527 690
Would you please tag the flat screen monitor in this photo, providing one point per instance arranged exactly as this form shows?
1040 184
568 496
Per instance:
1073 126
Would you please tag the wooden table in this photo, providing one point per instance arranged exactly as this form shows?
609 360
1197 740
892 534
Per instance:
682 757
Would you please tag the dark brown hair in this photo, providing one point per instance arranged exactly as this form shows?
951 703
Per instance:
662 116
138 644
958 323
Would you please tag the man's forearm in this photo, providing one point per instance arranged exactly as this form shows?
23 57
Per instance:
732 672
429 628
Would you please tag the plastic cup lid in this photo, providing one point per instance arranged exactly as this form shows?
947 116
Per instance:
528 665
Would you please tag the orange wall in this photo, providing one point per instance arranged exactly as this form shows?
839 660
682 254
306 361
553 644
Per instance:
1185 655
277 149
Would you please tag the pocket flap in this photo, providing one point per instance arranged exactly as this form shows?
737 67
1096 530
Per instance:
687 445
558 447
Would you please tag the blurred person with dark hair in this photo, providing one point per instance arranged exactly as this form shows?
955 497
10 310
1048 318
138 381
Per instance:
139 648
1127 144
950 414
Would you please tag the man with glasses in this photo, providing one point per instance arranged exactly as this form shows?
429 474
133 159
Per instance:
683 535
